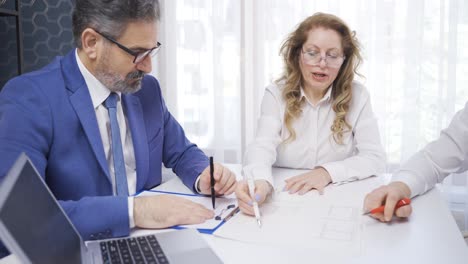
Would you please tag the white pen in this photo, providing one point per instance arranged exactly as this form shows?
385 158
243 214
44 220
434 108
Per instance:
251 184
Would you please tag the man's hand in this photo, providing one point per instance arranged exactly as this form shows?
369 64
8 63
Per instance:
315 179
225 180
388 195
161 211
262 190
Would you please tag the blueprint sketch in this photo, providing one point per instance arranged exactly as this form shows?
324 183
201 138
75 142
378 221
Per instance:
307 222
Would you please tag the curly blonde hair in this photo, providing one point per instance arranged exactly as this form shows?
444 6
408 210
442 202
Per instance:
293 79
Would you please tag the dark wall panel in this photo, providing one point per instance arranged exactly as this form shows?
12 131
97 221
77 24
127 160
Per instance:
8 50
46 33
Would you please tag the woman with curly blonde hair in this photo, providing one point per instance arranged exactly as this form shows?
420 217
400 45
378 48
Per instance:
315 116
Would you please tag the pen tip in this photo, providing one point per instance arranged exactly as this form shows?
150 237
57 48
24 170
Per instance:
259 223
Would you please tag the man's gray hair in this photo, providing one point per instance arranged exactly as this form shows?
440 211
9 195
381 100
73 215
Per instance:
110 17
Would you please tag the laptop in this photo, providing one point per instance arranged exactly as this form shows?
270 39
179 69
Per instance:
35 228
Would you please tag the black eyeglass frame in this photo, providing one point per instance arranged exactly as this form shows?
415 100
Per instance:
138 56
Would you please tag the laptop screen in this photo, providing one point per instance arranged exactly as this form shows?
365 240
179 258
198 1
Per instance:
36 224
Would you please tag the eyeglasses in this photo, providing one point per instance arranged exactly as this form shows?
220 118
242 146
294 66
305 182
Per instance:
138 56
314 58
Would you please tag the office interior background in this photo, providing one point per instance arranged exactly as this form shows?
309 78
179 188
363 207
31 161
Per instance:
219 55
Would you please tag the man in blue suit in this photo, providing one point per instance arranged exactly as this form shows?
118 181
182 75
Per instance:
93 115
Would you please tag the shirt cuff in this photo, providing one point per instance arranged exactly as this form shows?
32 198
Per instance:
131 220
336 171
414 184
258 172
197 185
341 174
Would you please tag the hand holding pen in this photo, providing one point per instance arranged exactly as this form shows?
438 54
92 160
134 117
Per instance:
262 189
224 181
381 209
389 200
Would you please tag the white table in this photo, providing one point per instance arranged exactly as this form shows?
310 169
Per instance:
430 235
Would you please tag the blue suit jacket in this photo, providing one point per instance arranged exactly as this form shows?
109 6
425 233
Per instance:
49 115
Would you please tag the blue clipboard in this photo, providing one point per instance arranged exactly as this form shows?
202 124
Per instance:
225 209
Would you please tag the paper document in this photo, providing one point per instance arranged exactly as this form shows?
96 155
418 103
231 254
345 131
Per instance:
314 223
225 208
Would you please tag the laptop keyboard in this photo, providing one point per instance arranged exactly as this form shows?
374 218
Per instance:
144 249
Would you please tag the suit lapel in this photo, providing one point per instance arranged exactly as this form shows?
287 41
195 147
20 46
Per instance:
134 113
81 102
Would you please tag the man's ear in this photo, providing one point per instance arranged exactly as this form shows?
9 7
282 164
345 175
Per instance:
91 43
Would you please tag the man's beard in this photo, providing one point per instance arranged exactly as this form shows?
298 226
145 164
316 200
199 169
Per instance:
114 82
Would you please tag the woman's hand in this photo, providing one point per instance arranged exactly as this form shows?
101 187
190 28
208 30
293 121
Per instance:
315 179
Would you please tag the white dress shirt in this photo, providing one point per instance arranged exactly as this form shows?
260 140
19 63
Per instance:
99 94
361 154
448 154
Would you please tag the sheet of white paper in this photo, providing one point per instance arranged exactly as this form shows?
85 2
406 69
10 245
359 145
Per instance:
299 222
221 210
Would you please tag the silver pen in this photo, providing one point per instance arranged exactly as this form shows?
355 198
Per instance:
251 184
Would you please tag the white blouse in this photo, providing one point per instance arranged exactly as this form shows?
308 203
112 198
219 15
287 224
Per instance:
448 154
361 154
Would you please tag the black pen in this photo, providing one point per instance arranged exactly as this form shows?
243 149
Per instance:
212 182
231 214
